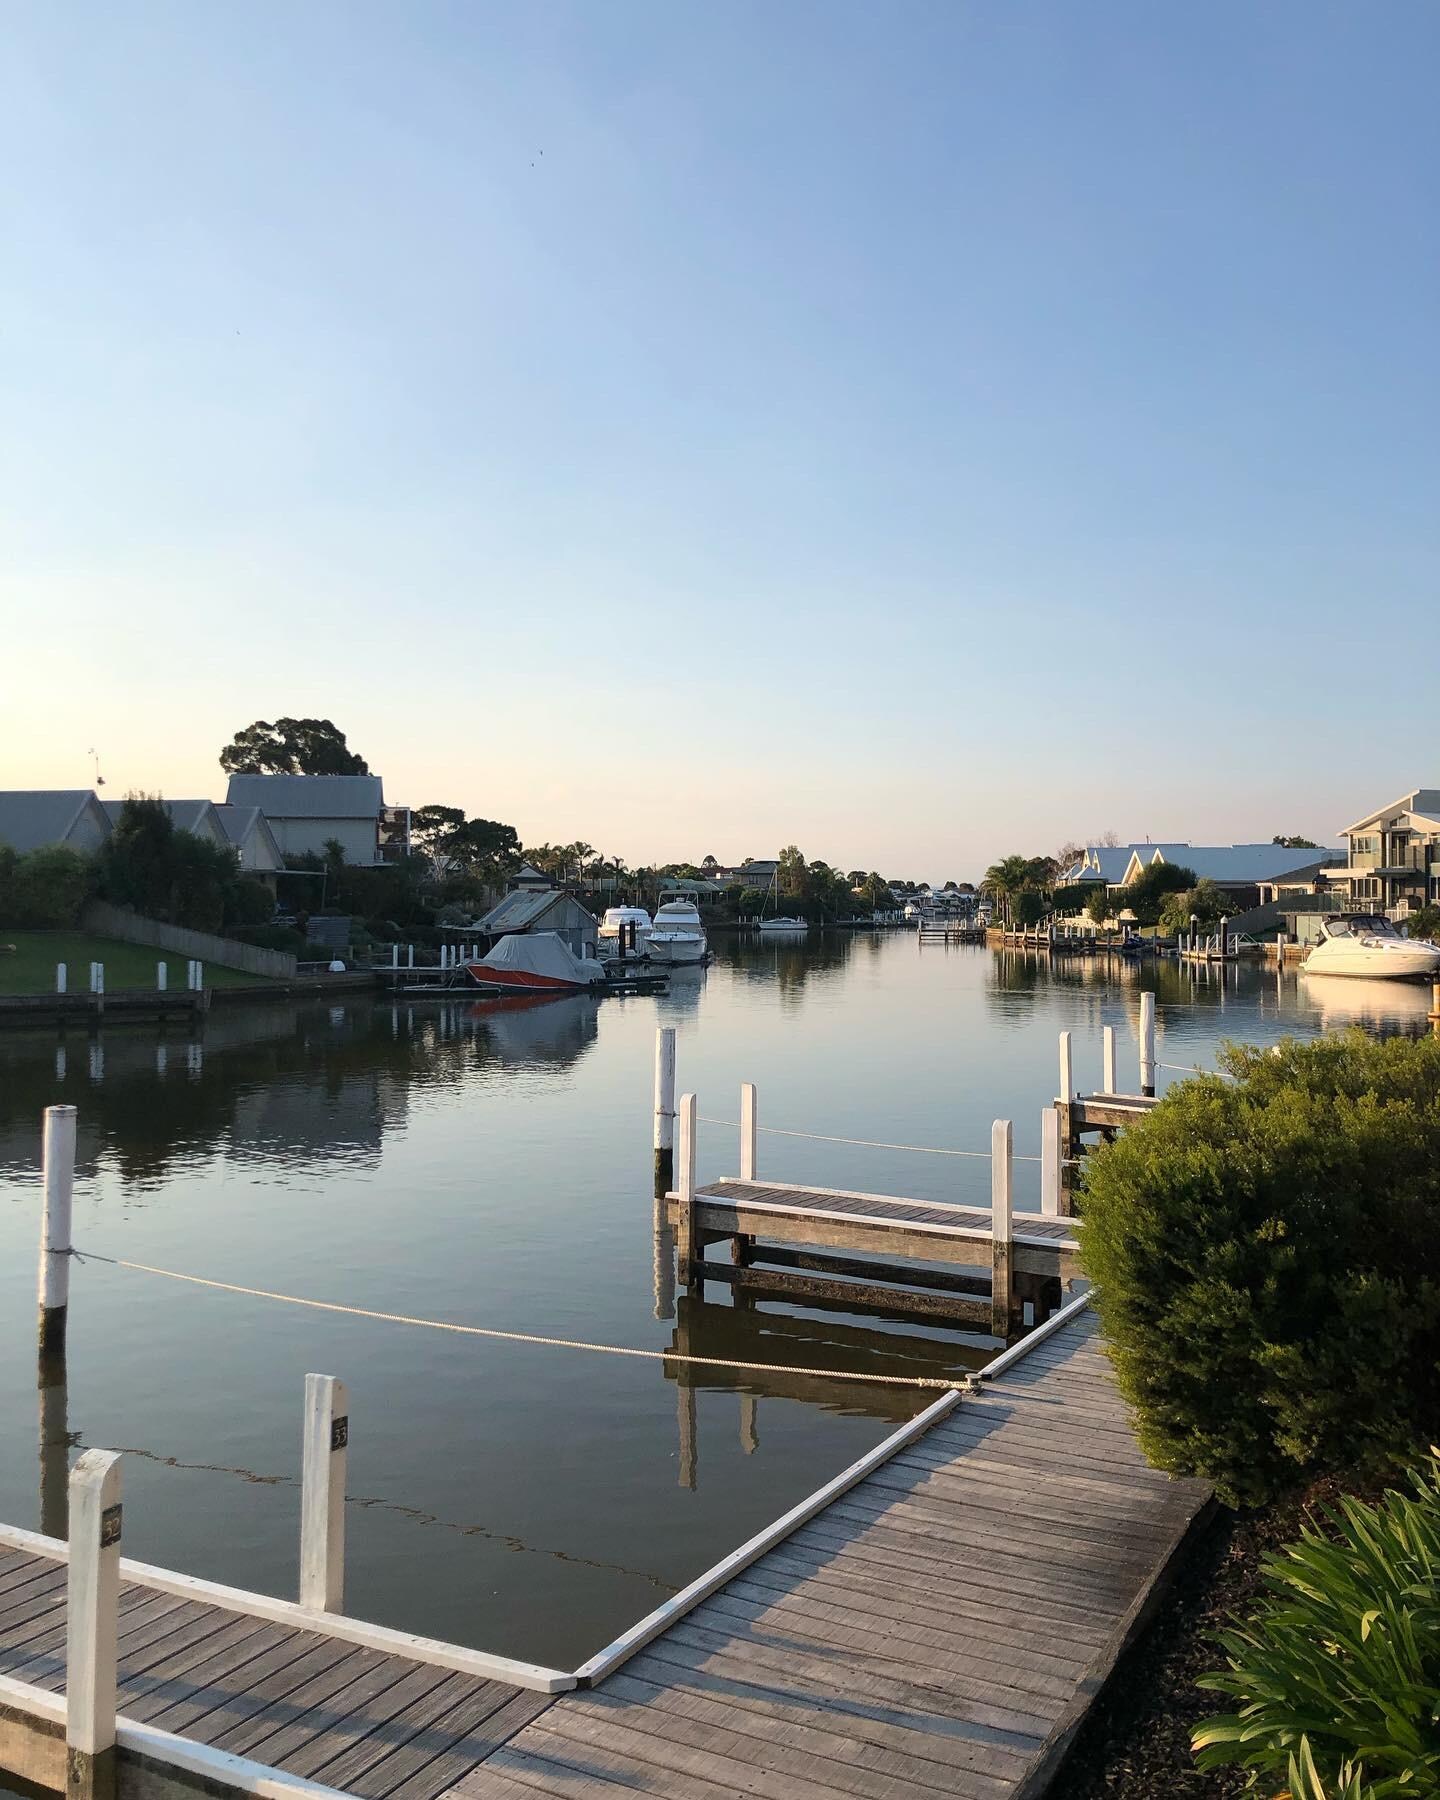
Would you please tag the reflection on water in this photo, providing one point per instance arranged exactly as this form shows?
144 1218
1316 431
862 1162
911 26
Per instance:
488 1161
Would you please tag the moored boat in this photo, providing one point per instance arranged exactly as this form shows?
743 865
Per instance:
1367 944
785 924
618 920
535 962
677 936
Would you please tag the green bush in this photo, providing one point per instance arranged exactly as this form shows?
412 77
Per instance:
1206 903
1267 1253
1340 1668
45 889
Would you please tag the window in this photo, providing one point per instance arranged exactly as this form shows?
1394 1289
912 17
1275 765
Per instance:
1364 846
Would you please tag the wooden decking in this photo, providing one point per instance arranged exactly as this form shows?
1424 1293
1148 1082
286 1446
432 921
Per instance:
935 1621
938 1629
363 1721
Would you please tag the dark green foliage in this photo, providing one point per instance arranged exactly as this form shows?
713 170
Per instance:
1028 908
1267 1252
291 747
1206 903
1069 900
1295 843
1145 896
1340 1668
271 937
1424 922
45 889
174 876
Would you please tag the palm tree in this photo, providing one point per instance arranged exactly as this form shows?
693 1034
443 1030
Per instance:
1008 878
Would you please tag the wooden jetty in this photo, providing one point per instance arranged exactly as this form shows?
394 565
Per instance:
935 1620
950 931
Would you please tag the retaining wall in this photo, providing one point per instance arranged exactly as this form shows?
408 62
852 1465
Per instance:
118 922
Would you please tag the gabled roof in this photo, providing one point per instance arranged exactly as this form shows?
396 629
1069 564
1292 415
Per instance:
1424 801
193 816
309 796
522 910
1245 864
33 817
241 823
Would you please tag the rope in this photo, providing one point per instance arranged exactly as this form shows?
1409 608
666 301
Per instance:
522 1337
1194 1069
820 1137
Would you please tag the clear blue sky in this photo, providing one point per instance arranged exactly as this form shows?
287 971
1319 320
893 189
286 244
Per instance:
919 431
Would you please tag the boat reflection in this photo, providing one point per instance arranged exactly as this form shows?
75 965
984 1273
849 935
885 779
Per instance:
1382 1006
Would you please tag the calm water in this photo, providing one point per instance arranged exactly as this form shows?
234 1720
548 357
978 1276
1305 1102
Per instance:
459 1161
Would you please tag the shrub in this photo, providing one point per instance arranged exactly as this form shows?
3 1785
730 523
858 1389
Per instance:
1205 902
1148 892
45 889
1339 1671
1267 1252
1028 908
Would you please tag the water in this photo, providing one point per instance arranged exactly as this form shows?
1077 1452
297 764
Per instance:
461 1161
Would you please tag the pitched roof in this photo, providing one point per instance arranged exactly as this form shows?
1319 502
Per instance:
522 909
32 817
1425 801
185 815
241 821
309 796
1245 864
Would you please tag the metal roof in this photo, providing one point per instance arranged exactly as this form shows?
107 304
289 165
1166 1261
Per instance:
1424 801
309 796
185 815
522 910
32 817
1246 864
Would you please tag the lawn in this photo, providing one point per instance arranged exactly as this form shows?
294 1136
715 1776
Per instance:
28 959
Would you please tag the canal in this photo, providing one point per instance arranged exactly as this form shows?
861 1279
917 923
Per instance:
463 1160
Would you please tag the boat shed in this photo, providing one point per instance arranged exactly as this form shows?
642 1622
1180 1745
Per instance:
545 909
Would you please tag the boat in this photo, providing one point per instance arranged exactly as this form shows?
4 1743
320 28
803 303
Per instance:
618 918
783 923
677 936
535 962
1367 944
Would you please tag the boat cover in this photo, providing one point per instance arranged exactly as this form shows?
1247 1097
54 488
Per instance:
543 954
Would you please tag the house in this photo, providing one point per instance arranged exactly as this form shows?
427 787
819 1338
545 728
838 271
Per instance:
706 892
198 817
307 812
252 840
762 875
542 909
1394 854
33 818
1251 874
531 879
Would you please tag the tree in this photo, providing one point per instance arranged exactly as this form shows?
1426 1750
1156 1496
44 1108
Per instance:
1146 895
1109 840
487 850
45 889
1101 903
1295 843
291 747
168 874
1205 902
1029 908
1009 878
1068 854
791 872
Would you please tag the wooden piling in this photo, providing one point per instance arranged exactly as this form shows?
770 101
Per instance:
664 1109
53 1391
748 1130
1111 1079
91 1608
1147 1042
58 1179
1002 1229
1050 1162
685 1244
322 1494
1064 1112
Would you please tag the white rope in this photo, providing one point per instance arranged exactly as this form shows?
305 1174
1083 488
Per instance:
1194 1069
819 1137
518 1337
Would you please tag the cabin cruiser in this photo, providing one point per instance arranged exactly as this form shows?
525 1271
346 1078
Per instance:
677 936
1368 944
618 921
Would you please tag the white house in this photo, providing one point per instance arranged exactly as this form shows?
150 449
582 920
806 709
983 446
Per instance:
305 812
1394 853
32 818
253 842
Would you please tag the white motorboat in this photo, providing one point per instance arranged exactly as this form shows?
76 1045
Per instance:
618 917
677 936
785 924
1367 944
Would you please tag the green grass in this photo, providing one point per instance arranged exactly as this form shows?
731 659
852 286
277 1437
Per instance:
29 968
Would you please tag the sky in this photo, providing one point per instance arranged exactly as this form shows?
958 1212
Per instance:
919 432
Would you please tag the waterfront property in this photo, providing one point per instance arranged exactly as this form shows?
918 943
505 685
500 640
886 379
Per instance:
36 818
307 812
1250 874
1394 860
543 909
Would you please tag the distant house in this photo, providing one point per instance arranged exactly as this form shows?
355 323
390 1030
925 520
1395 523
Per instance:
305 812
706 893
545 909
33 818
1251 874
762 874
530 879
253 842
198 817
1394 854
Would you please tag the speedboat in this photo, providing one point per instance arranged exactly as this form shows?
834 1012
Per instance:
535 962
1368 944
617 923
677 936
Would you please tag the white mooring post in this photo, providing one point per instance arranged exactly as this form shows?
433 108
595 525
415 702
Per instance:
664 1110
409 956
1147 1042
1002 1230
58 1173
1067 1069
322 1494
62 977
395 956
91 1605
1111 1079
1050 1161
748 1130
162 977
